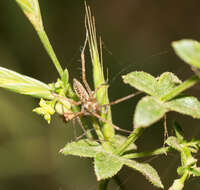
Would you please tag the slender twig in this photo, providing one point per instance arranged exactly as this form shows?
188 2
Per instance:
47 45
131 139
159 151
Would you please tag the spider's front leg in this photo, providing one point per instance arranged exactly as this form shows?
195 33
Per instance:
83 66
109 122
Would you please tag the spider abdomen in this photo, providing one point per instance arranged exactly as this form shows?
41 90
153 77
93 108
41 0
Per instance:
80 90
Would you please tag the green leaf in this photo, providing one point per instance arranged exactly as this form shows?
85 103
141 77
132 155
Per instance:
188 105
83 148
23 84
148 111
148 171
107 165
32 10
189 51
166 82
141 81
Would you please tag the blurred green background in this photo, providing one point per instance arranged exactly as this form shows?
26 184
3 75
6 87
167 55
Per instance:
136 36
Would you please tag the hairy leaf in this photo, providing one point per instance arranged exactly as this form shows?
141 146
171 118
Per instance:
148 111
83 148
23 84
189 51
188 105
141 81
107 165
148 171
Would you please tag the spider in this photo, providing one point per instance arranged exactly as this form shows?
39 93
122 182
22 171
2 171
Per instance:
87 100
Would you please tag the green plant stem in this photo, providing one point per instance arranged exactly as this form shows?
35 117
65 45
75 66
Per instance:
45 41
103 184
131 139
98 75
182 87
97 129
159 151
184 177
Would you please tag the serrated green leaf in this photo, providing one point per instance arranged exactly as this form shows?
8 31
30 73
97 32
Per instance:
189 51
83 148
173 142
32 10
23 84
141 81
188 105
166 82
107 165
148 111
148 171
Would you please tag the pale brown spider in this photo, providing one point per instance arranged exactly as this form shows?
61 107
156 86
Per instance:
87 100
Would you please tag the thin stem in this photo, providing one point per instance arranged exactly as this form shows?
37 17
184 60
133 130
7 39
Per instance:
131 139
103 184
159 151
184 177
182 87
97 129
47 45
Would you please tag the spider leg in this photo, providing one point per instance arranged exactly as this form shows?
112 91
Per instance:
83 66
99 87
122 99
166 135
109 123
68 99
74 127
79 137
82 127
